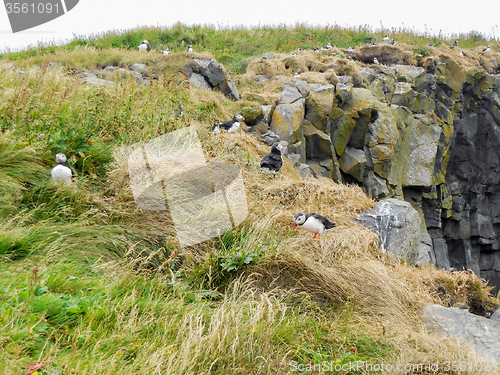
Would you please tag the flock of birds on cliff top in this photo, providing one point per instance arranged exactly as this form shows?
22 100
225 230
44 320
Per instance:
270 163
144 47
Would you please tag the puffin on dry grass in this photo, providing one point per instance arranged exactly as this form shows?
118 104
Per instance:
313 223
229 125
273 161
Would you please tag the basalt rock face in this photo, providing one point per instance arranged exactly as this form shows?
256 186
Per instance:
432 139
209 74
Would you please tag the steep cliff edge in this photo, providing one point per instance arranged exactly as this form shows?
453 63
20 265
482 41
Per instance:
429 135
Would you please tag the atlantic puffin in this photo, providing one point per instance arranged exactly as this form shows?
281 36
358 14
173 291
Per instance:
143 46
386 38
375 60
166 52
61 173
313 223
486 49
273 161
229 125
393 42
190 48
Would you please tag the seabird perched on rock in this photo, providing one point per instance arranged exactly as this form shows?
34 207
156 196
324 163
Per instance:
455 44
190 48
462 53
61 173
486 49
393 42
302 49
273 161
264 57
313 223
296 75
143 46
166 52
229 125
315 49
386 38
350 49
293 54
375 60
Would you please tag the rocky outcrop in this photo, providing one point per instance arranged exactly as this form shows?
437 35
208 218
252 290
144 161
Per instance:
209 74
429 137
400 230
480 333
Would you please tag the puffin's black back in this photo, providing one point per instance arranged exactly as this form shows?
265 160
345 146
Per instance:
273 161
326 222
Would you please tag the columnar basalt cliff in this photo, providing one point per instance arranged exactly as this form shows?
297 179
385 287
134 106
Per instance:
429 136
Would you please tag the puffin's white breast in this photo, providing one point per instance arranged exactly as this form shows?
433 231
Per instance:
313 225
60 173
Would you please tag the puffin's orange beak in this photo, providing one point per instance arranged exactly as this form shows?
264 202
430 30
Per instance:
294 225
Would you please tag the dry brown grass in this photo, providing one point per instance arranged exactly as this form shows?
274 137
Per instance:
343 269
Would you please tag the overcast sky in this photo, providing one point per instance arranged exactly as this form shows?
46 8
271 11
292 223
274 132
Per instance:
94 16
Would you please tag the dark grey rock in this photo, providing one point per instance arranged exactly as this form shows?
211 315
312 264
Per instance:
270 138
290 95
199 81
295 159
305 171
353 162
217 77
301 86
480 333
398 226
440 249
267 111
496 315
375 186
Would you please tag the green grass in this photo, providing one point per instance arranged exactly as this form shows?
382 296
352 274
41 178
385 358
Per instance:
232 46
90 284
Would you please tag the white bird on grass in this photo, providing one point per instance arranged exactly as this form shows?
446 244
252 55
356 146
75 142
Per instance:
313 223
143 46
61 173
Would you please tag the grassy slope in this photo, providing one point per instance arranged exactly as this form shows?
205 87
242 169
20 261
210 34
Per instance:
91 284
